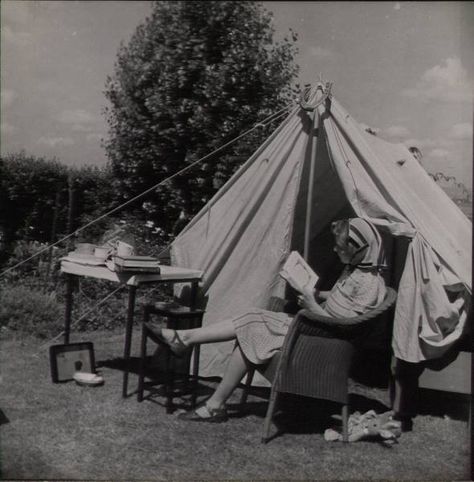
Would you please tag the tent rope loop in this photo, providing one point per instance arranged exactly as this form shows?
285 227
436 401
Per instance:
304 104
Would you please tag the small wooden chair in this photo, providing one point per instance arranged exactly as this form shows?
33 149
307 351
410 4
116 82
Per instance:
177 317
315 366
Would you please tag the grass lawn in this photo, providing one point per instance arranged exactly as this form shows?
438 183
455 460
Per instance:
64 431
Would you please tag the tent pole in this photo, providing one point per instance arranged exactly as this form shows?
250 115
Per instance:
309 199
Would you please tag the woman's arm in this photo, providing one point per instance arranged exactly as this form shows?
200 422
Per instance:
322 294
307 301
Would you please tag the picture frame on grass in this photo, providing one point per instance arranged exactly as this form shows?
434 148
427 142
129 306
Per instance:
67 359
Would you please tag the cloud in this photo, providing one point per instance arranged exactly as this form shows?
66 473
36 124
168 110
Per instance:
396 131
7 128
445 82
79 120
72 116
397 6
16 12
94 137
461 131
320 52
16 37
7 97
420 143
55 141
439 153
367 128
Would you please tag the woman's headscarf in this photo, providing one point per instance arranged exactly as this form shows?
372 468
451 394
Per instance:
365 240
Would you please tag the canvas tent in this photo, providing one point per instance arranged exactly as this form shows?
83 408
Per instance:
320 165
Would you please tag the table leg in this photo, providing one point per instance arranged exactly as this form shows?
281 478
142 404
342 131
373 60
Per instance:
169 380
195 375
68 309
197 348
132 290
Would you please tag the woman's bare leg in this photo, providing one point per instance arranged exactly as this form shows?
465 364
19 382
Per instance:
235 371
214 407
223 331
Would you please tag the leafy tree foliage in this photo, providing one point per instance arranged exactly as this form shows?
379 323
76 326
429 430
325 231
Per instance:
193 76
28 186
33 190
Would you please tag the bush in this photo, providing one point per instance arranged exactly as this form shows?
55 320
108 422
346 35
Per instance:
35 198
30 311
28 189
40 269
39 282
112 313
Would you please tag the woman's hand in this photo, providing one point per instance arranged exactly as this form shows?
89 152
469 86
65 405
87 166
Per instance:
304 303
307 298
307 301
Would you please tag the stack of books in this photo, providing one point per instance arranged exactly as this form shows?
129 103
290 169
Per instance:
136 264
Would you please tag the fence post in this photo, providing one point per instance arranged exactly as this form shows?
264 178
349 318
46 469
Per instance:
54 227
71 209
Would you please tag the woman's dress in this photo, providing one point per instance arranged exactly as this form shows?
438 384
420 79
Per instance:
261 333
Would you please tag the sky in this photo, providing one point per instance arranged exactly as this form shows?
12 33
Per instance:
403 68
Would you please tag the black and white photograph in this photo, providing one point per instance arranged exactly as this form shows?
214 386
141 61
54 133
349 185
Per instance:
236 240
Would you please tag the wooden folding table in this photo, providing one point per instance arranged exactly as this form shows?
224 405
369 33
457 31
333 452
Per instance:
168 274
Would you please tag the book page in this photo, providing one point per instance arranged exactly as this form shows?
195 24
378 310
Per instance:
298 273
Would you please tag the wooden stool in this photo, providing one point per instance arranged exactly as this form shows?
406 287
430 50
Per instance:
177 317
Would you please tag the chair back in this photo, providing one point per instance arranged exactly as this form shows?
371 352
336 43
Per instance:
317 354
315 362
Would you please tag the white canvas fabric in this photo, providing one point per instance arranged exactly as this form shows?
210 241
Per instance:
426 322
375 174
242 237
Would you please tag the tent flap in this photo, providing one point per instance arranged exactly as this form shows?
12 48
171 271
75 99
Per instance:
242 240
426 323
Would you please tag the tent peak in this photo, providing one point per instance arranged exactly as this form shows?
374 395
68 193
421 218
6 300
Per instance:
313 97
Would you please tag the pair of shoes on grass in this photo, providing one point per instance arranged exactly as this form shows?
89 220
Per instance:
176 345
204 413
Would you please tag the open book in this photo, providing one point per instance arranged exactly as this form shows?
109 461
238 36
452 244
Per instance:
298 272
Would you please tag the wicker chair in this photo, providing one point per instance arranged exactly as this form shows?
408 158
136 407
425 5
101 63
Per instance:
315 366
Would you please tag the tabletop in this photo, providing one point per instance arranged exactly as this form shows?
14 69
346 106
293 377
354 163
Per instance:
167 273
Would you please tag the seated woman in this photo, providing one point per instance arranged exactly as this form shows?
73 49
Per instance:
259 333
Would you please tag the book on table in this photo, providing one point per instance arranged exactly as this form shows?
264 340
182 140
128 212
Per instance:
83 258
141 264
298 272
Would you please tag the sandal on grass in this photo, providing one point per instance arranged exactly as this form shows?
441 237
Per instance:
176 345
205 414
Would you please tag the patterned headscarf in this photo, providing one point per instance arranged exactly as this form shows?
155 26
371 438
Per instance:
364 239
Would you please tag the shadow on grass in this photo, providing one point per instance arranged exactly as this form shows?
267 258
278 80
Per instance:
152 364
300 410
118 363
444 404
3 418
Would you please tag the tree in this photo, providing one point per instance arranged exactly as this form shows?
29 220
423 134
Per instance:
193 76
34 197
28 187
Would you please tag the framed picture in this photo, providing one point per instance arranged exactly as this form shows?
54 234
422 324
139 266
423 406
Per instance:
65 360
